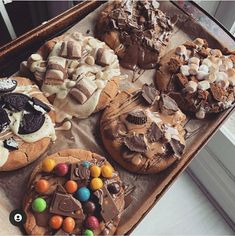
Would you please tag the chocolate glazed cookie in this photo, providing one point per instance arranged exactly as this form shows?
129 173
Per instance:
26 123
79 74
137 31
200 79
73 192
142 130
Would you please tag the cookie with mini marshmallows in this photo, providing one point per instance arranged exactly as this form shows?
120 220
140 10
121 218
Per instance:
142 130
73 192
79 74
26 123
137 31
200 79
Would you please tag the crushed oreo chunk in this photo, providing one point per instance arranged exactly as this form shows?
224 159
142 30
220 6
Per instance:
154 133
177 147
168 104
150 94
7 85
137 117
39 106
136 143
11 144
4 120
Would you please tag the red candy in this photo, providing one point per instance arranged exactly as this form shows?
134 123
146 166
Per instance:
61 169
92 222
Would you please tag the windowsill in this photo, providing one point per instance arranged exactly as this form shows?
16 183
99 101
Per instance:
228 129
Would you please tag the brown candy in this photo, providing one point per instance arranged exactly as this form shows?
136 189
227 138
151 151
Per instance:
114 188
71 50
168 104
89 207
137 117
136 143
154 133
181 79
149 93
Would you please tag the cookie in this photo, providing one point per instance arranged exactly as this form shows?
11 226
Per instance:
26 123
79 74
143 130
200 79
137 31
73 192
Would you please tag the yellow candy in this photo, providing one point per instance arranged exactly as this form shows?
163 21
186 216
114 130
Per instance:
96 183
107 171
95 171
48 165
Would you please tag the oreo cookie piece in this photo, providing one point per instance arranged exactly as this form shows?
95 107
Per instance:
137 117
31 123
4 120
10 144
7 85
39 106
15 101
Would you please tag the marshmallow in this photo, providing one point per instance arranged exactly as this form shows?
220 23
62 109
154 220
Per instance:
231 81
228 62
199 42
194 60
181 50
207 62
221 76
100 83
193 69
184 69
216 52
231 76
99 75
191 87
204 85
215 60
203 68
201 75
223 67
223 83
200 114
33 61
70 84
36 57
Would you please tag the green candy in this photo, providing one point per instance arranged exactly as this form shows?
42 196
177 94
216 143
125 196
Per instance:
88 232
39 204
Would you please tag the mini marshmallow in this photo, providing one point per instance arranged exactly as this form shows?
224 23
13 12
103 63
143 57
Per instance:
223 67
231 81
70 84
100 83
204 85
99 75
199 42
193 69
184 69
36 57
194 60
216 52
207 62
191 87
181 50
201 75
203 68
228 62
200 114
221 76
223 83
215 60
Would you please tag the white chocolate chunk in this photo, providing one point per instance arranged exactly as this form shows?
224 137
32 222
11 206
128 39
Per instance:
184 69
193 69
194 60
100 83
203 85
191 87
90 60
203 68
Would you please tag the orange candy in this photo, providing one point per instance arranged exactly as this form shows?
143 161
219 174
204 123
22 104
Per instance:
71 186
56 222
42 186
68 224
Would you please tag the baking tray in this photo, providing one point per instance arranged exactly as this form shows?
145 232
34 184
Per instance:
144 190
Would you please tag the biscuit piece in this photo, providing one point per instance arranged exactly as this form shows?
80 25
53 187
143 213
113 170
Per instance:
143 131
137 31
79 74
105 204
26 124
203 80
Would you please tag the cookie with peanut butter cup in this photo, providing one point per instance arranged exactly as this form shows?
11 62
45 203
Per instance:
73 192
138 32
199 78
26 123
143 130
79 74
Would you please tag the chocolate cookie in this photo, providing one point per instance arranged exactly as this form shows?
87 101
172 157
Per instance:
78 74
26 123
142 130
73 192
200 79
137 31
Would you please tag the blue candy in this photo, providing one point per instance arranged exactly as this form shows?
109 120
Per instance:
86 164
83 194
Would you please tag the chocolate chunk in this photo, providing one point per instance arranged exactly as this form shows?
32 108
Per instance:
79 172
4 120
66 205
10 144
177 147
174 65
31 122
154 133
7 85
182 80
136 143
168 104
114 188
149 93
109 209
40 106
137 117
15 101
217 92
89 207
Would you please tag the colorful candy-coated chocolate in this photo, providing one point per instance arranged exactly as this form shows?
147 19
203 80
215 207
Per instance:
71 186
107 171
83 194
86 164
61 169
96 183
89 207
48 165
95 171
39 204
68 224
88 232
56 222
92 222
42 186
